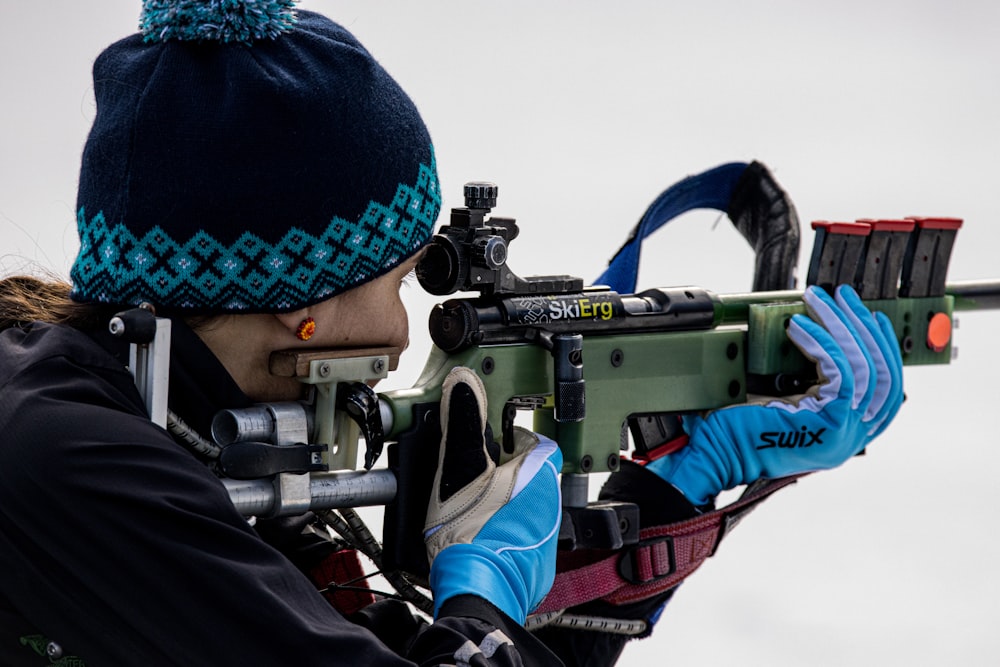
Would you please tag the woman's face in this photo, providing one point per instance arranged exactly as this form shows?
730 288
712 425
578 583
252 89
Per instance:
370 315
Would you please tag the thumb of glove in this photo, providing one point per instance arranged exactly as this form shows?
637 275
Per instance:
467 458
468 448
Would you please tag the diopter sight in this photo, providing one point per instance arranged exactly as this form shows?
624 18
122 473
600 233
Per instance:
470 254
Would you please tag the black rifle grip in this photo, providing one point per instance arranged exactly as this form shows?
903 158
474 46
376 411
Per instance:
413 458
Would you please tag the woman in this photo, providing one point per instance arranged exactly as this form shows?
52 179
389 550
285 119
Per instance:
270 185
258 178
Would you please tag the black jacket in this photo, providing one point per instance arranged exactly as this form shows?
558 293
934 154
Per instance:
119 547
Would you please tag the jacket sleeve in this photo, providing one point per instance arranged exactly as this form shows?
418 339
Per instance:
123 548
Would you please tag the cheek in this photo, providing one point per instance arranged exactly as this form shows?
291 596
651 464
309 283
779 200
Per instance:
401 324
389 321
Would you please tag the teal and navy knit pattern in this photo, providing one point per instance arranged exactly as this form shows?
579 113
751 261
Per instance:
220 21
201 274
260 169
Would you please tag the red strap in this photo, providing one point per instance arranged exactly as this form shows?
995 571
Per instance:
663 558
343 567
658 452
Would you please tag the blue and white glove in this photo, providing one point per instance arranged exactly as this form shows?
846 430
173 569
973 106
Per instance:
491 529
859 393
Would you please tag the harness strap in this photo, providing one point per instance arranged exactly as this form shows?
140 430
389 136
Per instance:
664 556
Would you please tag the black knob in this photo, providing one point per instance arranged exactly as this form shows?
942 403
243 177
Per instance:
137 325
480 194
490 251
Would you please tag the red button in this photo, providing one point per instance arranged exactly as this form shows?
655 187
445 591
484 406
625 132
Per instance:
939 332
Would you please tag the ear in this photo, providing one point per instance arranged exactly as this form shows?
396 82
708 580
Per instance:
292 320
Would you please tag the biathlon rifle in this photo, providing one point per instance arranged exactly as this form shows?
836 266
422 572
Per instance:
593 365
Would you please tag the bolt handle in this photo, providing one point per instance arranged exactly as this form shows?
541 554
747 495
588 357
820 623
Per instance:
361 404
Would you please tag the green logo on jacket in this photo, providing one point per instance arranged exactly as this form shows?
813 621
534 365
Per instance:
47 648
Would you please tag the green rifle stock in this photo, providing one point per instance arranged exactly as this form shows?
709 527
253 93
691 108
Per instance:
671 365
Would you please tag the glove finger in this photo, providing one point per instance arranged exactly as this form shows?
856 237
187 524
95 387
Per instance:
537 451
835 371
894 400
874 341
829 314
692 422
464 454
531 516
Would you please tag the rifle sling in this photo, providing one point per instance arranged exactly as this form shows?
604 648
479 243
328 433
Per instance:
664 556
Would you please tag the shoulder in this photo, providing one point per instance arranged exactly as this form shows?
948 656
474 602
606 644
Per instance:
45 369
57 385
72 420
53 344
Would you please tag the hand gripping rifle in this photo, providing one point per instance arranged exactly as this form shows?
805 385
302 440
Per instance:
591 364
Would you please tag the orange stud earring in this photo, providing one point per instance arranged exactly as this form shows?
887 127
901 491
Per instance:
306 329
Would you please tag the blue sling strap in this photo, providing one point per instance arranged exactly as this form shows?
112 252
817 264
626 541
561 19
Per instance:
757 206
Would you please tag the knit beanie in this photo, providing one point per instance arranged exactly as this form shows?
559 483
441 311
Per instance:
246 158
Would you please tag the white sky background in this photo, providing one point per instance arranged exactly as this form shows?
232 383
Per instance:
583 114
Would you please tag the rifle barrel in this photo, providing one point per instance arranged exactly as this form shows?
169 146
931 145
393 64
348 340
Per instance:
968 294
975 294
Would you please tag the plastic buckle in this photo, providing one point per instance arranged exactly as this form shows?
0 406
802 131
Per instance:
644 562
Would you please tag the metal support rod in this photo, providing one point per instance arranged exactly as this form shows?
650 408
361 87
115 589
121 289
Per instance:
574 490
330 490
150 364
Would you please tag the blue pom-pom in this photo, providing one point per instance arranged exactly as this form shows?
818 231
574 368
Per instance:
215 20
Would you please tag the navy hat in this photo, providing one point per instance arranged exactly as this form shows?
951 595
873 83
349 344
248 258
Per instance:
246 158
